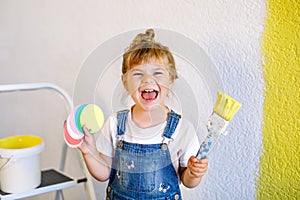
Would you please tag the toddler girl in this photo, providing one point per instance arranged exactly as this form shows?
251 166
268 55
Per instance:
147 150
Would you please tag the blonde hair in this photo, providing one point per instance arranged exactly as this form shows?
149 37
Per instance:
143 48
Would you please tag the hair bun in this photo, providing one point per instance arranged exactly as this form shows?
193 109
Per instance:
150 33
142 38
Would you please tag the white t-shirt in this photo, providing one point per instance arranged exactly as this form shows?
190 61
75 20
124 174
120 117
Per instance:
184 144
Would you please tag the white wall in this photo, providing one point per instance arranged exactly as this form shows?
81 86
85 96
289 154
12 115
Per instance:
49 41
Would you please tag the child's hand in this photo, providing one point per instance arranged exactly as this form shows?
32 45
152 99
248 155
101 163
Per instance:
88 146
197 167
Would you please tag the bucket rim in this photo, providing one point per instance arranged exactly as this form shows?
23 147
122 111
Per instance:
22 152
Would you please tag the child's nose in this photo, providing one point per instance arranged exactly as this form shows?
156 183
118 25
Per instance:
147 78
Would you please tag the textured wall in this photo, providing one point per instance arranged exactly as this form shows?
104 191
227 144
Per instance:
280 162
42 40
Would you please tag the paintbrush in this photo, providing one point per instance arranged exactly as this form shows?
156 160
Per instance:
224 110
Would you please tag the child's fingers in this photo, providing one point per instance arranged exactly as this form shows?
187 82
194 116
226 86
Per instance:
198 171
196 160
88 137
204 161
86 131
198 167
88 144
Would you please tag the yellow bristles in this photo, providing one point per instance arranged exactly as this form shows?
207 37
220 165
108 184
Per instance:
226 106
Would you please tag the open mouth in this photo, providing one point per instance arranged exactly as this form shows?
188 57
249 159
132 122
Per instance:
149 95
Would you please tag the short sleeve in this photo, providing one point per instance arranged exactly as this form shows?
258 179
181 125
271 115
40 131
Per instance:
190 150
188 142
106 138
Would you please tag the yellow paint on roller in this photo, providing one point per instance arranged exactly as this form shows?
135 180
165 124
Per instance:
280 160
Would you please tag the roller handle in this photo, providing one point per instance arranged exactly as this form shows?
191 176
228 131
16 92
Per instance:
216 127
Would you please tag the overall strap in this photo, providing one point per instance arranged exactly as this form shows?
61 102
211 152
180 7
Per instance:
122 118
172 123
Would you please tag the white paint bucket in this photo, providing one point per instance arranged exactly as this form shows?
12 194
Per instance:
19 163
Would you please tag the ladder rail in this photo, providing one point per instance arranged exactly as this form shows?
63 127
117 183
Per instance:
69 104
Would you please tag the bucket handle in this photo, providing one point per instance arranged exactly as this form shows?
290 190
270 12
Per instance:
5 163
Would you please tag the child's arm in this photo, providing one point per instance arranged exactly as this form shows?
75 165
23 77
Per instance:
98 164
192 175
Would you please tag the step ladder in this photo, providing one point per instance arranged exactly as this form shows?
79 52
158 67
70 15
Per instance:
52 179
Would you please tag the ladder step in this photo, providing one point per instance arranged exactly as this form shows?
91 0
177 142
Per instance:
52 180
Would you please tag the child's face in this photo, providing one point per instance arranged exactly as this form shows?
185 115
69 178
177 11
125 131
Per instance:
148 84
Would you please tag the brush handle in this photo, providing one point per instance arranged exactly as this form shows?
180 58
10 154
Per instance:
216 126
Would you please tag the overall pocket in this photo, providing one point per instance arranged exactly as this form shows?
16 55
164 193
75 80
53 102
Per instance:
137 175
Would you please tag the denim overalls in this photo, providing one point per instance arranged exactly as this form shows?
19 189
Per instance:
143 171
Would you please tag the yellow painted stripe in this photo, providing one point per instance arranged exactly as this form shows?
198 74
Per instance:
280 161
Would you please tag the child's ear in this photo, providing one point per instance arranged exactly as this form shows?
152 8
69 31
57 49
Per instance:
171 83
123 77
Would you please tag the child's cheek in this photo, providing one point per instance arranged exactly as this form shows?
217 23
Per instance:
133 86
165 82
